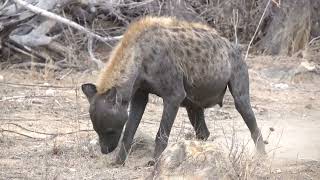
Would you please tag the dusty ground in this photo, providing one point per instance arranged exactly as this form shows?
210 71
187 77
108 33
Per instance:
46 132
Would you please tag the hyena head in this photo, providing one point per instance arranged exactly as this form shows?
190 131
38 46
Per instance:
107 116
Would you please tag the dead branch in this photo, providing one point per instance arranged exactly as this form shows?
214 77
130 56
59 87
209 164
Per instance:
64 75
22 51
314 39
37 37
35 64
92 57
4 4
20 119
35 85
65 21
256 31
22 97
53 135
29 130
10 131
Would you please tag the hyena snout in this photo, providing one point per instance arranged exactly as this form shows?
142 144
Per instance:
109 141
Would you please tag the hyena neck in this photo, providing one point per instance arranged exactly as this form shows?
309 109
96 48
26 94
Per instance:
126 90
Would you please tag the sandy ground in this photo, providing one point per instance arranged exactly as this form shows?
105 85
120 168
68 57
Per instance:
46 132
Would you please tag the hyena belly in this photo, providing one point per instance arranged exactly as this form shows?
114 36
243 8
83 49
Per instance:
200 56
206 93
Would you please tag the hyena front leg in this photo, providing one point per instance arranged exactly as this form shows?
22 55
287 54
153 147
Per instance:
196 117
137 107
239 88
170 109
173 94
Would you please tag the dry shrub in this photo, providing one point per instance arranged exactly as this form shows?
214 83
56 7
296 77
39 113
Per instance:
312 51
286 28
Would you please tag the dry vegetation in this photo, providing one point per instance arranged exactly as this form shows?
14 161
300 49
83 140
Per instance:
45 130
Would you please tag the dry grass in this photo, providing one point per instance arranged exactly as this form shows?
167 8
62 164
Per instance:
56 140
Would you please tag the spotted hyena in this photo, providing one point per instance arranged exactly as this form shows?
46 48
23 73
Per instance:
186 64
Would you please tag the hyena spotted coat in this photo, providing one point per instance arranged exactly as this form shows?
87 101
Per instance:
186 64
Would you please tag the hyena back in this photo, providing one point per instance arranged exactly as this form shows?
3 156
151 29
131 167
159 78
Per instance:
186 64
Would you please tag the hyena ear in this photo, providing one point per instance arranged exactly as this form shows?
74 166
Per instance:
89 90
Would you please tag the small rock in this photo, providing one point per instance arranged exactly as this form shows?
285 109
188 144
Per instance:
1 78
194 160
281 86
85 149
94 73
94 142
278 170
189 135
308 65
309 106
50 92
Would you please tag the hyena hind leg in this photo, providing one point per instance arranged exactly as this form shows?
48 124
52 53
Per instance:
197 119
239 88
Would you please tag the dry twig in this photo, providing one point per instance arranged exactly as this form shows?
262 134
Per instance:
256 31
35 85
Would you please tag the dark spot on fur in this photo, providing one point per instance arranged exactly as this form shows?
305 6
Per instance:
191 69
174 29
214 36
185 43
166 33
174 37
200 30
200 43
183 30
178 52
145 68
188 52
203 60
205 44
232 56
214 48
202 69
222 43
182 36
159 43
156 34
146 40
166 53
154 51
197 35
197 49
221 56
156 41
191 40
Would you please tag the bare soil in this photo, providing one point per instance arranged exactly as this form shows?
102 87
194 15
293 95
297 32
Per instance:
46 133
